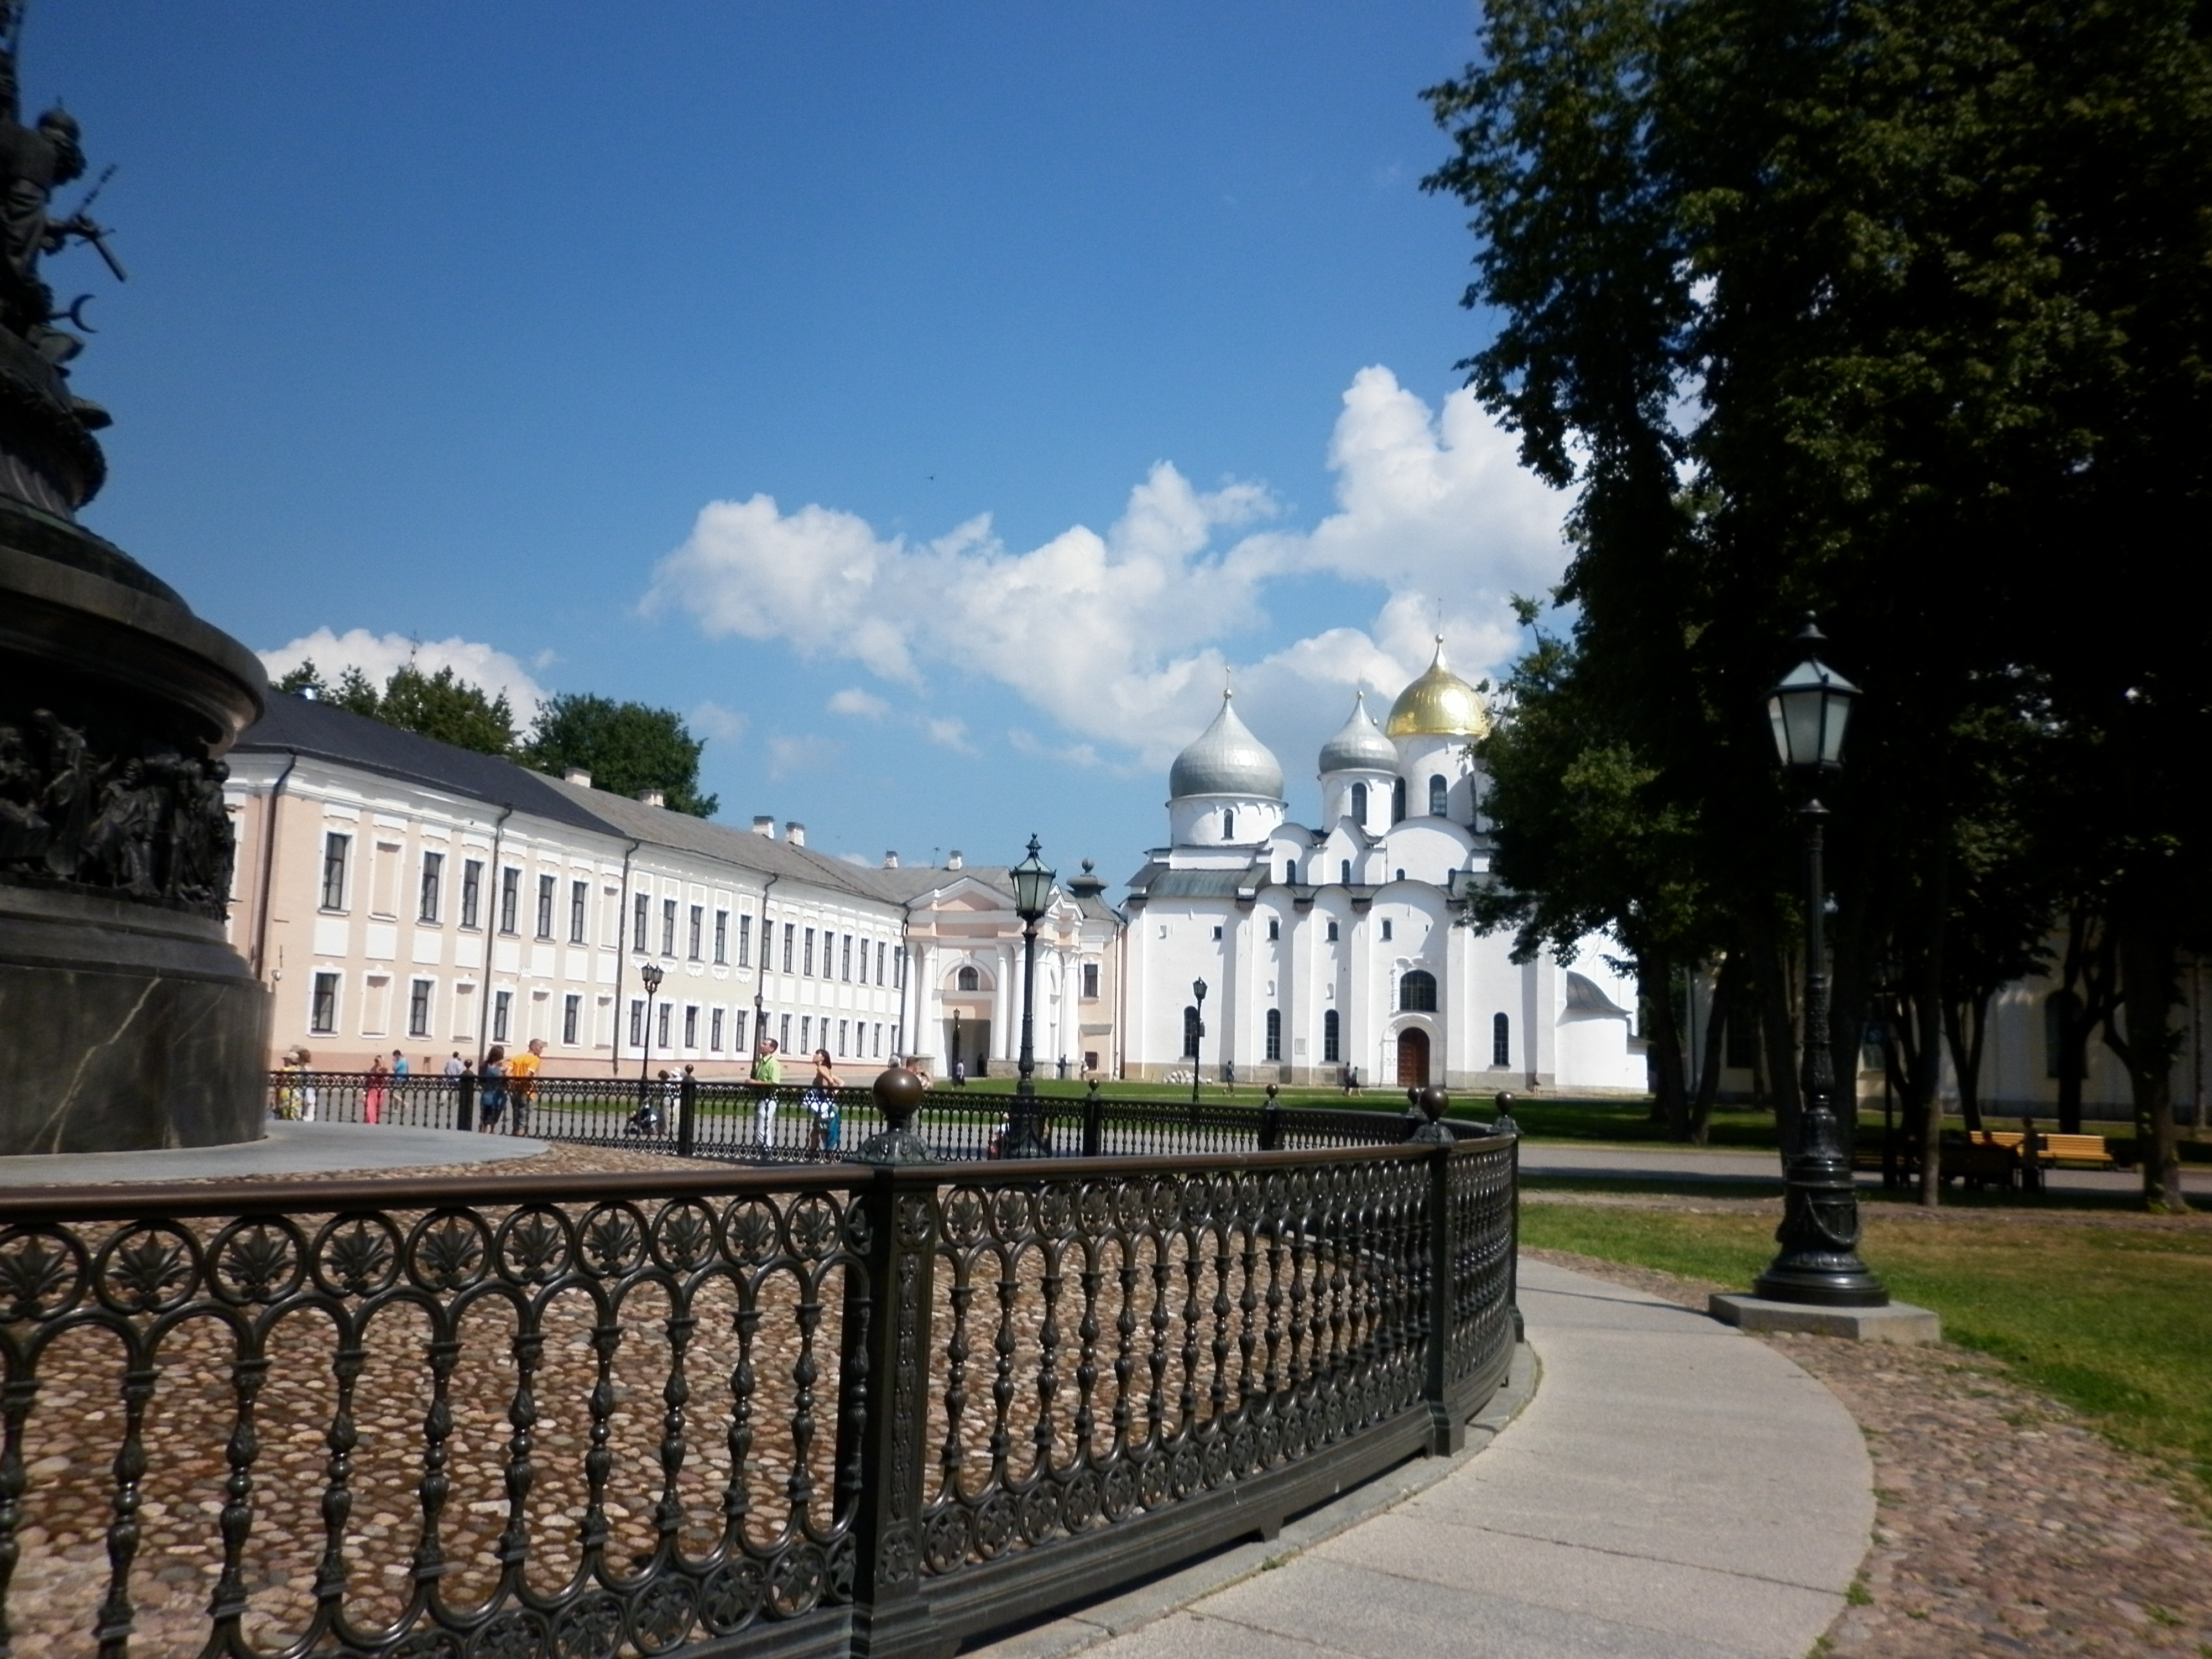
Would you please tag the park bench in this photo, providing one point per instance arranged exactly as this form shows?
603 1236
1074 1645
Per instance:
2059 1148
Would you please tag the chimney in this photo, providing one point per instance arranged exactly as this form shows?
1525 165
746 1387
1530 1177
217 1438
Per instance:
577 776
890 859
795 832
764 826
653 798
954 861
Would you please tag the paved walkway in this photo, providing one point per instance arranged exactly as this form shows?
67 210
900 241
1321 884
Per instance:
1674 1491
1553 1157
290 1149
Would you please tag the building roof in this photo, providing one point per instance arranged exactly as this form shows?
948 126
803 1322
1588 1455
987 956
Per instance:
658 826
1161 881
294 725
1360 746
1439 704
1226 759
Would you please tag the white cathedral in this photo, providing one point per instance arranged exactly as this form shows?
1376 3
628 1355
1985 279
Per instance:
1346 953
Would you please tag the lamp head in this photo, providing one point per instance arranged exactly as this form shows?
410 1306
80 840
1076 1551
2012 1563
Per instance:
1198 989
1032 884
1810 708
651 975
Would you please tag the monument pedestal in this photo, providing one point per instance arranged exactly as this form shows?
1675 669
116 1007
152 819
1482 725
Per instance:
1893 1321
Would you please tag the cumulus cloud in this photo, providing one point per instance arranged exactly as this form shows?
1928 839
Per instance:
711 719
801 753
1123 637
862 705
377 655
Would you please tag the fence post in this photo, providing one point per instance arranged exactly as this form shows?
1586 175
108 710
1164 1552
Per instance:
1271 1122
465 1101
687 1114
1447 1434
1094 1123
889 1617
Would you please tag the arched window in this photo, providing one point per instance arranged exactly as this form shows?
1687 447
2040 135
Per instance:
1229 823
1274 1034
1359 805
1398 801
1329 1044
1501 1040
1190 1033
1345 864
970 979
1417 993
1438 788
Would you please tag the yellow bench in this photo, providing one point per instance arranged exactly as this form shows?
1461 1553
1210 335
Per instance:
2055 1148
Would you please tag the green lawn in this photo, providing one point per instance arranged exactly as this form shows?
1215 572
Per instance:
2114 1319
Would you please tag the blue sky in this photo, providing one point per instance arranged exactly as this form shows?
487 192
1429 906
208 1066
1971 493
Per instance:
934 402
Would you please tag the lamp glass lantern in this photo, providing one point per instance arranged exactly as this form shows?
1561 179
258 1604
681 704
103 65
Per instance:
1032 884
1808 709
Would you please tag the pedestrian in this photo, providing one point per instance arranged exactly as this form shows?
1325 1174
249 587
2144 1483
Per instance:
821 1103
766 1074
399 1063
959 1073
373 1099
495 1090
522 1083
295 1097
455 1066
1229 1075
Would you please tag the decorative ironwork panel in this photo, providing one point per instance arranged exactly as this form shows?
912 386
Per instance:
579 1426
1111 1345
1481 1186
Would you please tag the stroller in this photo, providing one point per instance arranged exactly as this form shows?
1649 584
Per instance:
645 1120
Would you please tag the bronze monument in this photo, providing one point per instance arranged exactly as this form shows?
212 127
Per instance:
126 1019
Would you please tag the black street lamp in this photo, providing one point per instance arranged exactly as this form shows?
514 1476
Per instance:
1032 894
651 975
1818 1261
1197 1035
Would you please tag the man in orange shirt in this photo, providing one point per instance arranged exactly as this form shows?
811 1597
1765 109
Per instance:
522 1082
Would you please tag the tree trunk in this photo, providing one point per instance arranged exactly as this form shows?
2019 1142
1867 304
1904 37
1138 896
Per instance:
1928 1017
1775 1024
2147 996
1654 971
1709 1070
1965 1021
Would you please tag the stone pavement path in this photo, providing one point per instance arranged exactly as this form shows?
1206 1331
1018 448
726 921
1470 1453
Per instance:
1674 1491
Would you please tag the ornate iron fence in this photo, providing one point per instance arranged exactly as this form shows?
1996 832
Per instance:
751 1123
825 1410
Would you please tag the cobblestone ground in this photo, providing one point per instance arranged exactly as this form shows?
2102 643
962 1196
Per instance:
2003 1524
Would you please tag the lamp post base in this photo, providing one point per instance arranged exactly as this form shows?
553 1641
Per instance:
1892 1322
1819 1262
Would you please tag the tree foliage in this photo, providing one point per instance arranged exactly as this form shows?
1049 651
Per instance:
627 747
1896 310
440 705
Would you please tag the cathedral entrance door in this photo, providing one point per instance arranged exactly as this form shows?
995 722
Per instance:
1413 1059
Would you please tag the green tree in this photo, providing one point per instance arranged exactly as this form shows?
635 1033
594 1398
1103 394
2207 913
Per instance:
447 708
627 747
1891 308
440 705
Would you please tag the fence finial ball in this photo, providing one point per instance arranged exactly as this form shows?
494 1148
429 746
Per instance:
1505 1125
899 1096
898 1093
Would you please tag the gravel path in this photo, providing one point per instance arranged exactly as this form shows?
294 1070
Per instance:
2004 1525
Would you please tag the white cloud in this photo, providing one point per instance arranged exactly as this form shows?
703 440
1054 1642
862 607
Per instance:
711 719
803 753
950 734
378 655
862 705
1121 637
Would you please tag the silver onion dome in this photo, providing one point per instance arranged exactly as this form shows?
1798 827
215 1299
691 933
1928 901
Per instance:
1226 759
1360 746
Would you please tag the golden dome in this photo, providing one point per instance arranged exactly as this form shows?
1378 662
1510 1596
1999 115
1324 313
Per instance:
1439 704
